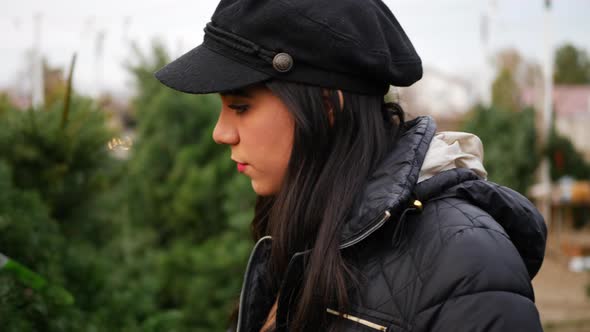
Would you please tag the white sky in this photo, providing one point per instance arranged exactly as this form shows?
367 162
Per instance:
446 33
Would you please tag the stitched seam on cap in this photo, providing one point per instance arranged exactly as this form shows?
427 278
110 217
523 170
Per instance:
408 61
271 75
232 59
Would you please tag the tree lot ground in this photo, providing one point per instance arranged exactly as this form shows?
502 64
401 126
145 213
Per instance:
560 293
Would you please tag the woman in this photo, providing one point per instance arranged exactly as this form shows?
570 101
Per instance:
363 221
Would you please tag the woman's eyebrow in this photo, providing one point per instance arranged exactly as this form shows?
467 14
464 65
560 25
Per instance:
237 93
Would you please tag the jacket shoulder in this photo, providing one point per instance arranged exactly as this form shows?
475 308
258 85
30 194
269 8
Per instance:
452 252
450 230
446 217
465 258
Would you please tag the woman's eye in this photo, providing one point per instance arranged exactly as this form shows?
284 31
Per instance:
241 108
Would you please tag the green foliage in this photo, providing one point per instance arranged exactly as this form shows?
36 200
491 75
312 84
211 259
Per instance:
158 242
4 103
565 160
511 155
52 181
30 236
505 91
61 164
185 190
176 168
572 66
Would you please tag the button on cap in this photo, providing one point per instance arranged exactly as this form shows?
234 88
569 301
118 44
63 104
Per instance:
282 62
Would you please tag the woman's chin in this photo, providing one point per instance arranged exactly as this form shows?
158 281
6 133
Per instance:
262 189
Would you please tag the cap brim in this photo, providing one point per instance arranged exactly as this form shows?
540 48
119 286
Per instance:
202 70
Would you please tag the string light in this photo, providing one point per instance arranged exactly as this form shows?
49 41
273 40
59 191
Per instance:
121 144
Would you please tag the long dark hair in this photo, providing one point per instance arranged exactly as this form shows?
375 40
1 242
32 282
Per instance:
333 155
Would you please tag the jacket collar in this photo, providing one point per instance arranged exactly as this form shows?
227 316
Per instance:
390 186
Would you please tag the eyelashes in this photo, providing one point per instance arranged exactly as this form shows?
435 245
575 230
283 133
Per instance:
239 108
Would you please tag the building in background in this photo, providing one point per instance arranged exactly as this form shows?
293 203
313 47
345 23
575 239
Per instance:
17 98
571 105
445 97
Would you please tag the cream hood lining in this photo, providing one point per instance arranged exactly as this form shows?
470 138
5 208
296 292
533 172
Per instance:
453 149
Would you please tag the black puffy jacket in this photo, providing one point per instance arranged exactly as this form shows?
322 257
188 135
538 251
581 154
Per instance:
460 258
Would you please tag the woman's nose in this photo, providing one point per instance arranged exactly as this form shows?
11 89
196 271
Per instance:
224 132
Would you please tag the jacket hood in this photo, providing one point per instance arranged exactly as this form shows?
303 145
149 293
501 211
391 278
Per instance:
453 149
447 165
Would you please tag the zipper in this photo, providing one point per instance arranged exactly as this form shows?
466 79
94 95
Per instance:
361 321
386 216
246 275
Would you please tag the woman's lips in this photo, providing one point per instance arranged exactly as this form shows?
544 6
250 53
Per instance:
241 167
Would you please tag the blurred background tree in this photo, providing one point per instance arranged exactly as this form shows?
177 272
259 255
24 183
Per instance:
514 74
511 153
572 65
505 92
55 173
155 242
185 192
565 160
506 129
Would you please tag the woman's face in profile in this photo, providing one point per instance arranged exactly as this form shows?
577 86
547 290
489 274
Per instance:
259 129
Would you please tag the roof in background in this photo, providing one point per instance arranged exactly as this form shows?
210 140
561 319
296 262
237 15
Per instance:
569 100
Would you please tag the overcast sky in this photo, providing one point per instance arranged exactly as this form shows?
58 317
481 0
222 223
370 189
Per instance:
446 33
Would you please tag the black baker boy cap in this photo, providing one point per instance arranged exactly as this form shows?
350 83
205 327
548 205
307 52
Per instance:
354 45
